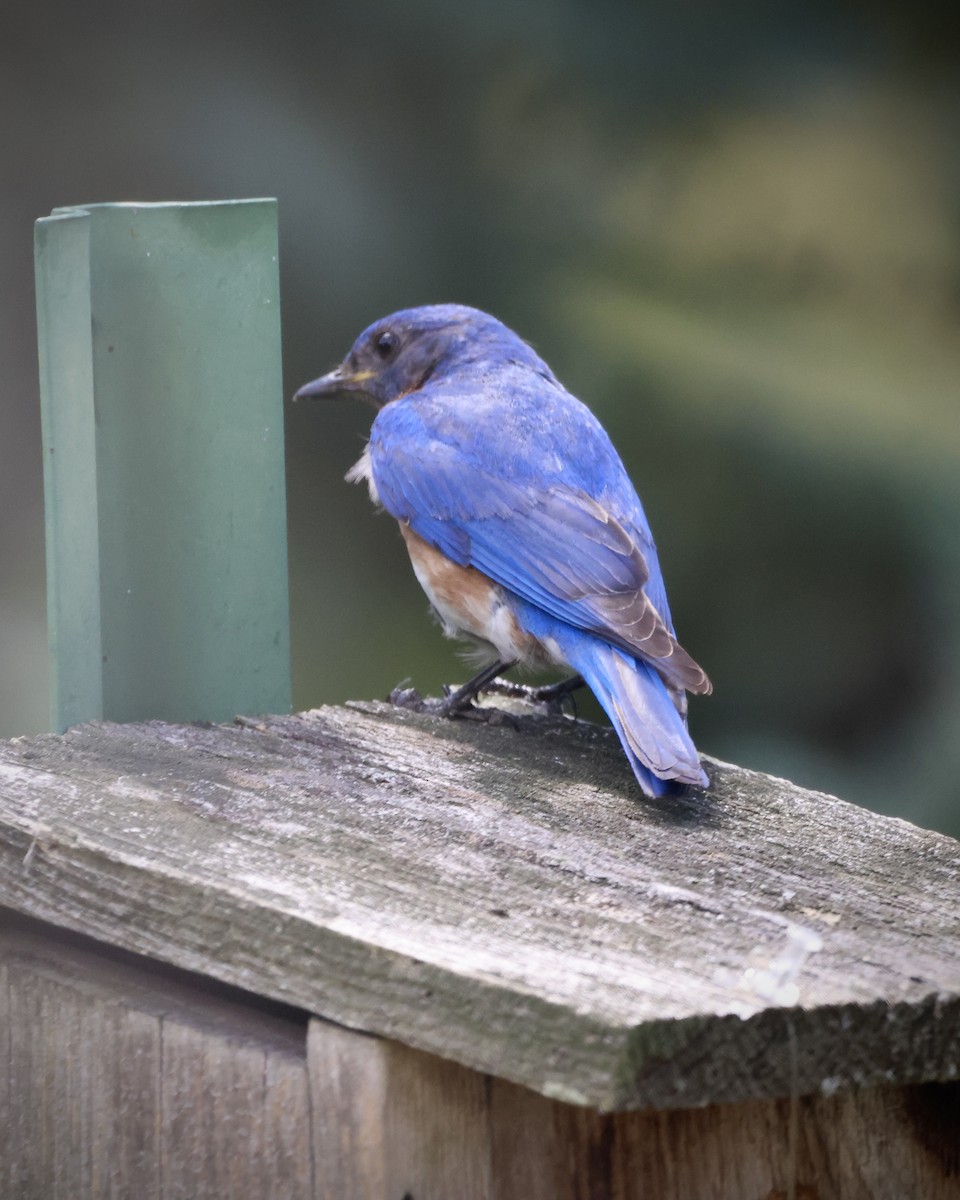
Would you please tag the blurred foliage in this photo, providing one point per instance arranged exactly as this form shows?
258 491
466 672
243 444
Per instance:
730 228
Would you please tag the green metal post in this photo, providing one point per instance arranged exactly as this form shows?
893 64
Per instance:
161 396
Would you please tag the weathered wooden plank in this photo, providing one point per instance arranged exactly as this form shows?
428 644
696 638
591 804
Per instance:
858 1145
83 1099
348 1084
234 1117
506 899
436 1132
120 1082
390 1121
398 1122
117 1081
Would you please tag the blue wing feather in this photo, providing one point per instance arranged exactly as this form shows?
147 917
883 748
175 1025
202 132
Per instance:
521 481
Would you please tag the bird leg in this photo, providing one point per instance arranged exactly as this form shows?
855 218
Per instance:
459 702
454 703
552 694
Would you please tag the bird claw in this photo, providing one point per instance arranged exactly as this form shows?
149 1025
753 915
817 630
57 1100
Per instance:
489 716
460 701
452 705
410 699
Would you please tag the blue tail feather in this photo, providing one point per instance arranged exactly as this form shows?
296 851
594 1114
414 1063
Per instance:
652 731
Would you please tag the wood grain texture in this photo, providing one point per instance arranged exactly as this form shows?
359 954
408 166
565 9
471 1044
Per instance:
390 1121
348 1087
505 898
439 1131
116 1083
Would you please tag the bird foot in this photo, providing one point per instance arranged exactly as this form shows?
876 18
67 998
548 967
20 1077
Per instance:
454 704
553 696
410 699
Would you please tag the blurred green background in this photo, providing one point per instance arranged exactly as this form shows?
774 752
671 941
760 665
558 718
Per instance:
732 228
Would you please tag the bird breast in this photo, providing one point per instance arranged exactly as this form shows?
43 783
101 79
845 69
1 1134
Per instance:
469 602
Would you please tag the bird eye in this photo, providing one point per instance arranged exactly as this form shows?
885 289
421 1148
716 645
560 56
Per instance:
385 344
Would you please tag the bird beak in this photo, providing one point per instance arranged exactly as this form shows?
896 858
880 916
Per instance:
336 383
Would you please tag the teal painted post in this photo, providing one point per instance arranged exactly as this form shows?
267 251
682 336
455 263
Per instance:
162 416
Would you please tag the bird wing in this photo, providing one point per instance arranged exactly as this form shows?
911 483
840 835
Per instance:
551 543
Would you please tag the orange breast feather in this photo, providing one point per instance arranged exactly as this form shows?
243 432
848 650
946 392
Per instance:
469 601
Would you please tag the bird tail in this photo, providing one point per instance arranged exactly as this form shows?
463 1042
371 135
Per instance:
647 720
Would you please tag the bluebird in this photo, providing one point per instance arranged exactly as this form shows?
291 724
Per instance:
521 522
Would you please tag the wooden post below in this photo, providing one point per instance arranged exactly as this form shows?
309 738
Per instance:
362 955
121 1078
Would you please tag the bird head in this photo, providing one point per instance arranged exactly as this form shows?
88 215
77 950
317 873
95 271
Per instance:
398 354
